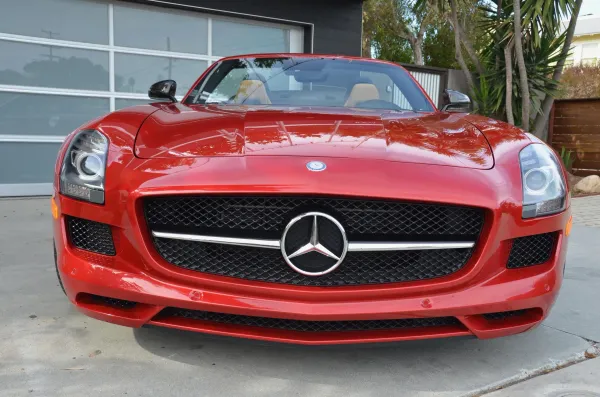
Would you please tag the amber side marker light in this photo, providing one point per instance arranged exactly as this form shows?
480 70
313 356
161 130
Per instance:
54 208
568 227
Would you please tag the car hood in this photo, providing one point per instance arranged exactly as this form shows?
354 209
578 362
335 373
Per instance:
430 138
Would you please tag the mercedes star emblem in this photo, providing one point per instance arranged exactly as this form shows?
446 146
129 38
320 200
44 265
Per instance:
314 244
316 166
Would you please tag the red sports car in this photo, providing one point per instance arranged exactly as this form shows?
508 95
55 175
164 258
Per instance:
310 199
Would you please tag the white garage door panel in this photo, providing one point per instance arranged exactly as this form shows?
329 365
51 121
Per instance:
160 29
75 60
136 73
231 38
38 65
22 162
47 115
76 20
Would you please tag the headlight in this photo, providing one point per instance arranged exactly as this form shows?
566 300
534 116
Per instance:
544 191
82 173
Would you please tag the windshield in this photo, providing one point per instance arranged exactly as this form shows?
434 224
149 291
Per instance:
310 82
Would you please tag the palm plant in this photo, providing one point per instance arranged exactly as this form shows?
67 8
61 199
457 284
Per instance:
540 60
529 42
488 96
524 59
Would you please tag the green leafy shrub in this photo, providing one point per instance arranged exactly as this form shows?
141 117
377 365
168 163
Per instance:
567 158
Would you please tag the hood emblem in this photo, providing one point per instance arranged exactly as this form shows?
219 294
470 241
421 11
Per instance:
314 244
316 166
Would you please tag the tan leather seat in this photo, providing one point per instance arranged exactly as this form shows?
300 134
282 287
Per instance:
252 91
362 92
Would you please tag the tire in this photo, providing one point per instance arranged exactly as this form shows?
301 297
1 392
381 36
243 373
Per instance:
56 267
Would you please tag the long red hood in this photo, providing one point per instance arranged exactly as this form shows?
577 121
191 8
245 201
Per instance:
429 138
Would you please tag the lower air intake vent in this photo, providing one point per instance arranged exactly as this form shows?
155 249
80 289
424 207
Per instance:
90 236
503 315
310 326
113 302
531 250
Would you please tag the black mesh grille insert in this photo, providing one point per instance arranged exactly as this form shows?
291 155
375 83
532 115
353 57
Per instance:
266 216
268 265
531 250
90 236
503 315
114 302
311 326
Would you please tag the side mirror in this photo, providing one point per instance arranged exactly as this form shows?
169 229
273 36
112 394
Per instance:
163 90
456 102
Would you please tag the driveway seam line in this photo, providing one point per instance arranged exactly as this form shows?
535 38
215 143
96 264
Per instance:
593 342
529 374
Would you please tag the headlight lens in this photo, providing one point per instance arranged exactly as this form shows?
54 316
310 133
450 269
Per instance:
544 190
82 173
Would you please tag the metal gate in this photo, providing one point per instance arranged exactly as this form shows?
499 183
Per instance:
434 80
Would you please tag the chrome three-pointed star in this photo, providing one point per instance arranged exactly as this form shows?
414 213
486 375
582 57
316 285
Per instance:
314 245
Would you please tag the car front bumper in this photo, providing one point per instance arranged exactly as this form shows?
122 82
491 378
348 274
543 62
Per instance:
483 286
534 288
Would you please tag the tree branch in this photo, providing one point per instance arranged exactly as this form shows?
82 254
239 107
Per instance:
498 38
425 24
459 55
542 118
524 82
464 39
509 82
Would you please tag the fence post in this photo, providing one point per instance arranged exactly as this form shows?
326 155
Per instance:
551 124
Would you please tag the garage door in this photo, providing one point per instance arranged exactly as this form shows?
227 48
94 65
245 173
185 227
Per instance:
63 62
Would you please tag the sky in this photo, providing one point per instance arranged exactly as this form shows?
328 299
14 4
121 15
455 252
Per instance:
590 7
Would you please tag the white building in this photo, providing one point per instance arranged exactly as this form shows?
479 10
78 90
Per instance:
586 42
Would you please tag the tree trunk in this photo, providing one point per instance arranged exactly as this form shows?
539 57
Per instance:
542 118
524 83
466 42
417 49
463 65
458 50
498 37
465 39
509 82
366 47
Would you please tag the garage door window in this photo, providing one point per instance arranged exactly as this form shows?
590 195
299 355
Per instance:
136 73
38 65
46 115
234 38
73 20
74 60
160 29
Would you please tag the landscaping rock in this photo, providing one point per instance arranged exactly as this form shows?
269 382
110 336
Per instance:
572 180
589 184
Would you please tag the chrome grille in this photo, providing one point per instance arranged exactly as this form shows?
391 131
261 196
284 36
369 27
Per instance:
266 216
206 234
267 265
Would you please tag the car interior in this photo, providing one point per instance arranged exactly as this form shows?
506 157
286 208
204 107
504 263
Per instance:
312 82
256 92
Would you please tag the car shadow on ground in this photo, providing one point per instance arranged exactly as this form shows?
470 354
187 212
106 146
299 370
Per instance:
478 362
273 359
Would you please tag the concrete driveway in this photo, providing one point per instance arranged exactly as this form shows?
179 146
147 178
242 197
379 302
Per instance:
49 349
